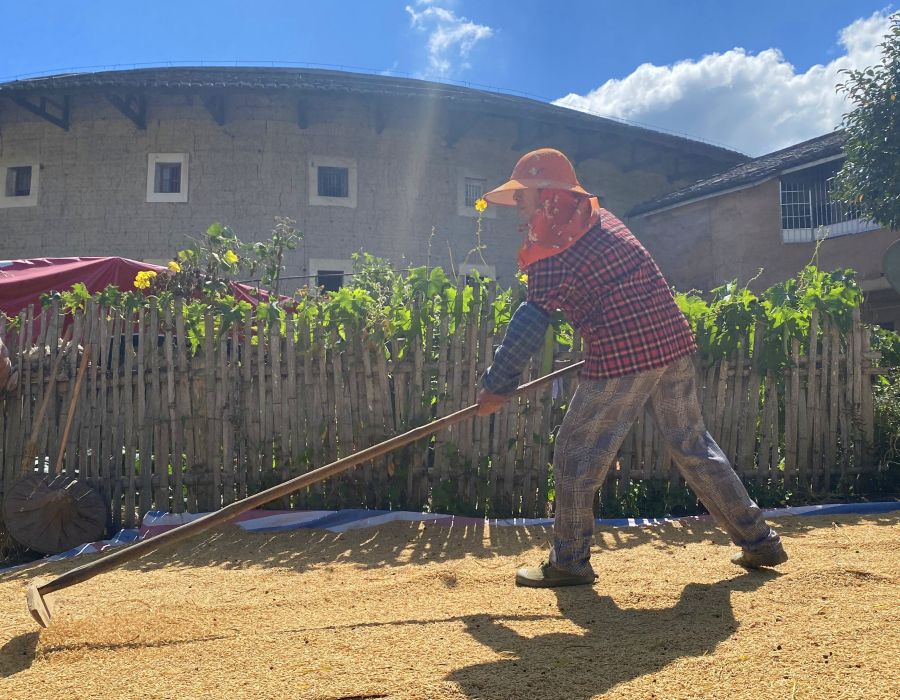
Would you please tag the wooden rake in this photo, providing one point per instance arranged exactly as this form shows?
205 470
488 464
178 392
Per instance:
37 606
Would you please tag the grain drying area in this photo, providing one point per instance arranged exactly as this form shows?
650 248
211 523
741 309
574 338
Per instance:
413 610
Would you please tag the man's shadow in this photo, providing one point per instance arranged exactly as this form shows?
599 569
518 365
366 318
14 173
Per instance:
617 644
18 654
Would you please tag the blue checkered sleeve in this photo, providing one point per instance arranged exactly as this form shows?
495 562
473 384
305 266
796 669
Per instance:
524 337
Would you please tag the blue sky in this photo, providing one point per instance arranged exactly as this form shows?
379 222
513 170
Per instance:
754 76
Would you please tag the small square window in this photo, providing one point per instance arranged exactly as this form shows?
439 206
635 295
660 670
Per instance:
168 178
333 182
329 275
474 190
330 280
19 184
18 181
470 188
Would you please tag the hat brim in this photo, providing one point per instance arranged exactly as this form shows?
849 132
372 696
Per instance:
505 193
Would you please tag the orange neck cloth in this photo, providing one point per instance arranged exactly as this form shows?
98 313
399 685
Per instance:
561 219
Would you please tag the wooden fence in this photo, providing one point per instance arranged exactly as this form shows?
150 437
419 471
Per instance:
157 427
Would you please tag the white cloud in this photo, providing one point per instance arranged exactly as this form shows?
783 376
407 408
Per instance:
756 103
450 37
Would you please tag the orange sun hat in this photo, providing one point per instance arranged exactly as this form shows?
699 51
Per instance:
545 168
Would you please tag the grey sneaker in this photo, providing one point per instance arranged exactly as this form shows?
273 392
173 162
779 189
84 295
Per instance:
751 560
548 575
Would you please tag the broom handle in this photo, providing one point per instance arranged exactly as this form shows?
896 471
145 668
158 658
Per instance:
229 512
76 392
30 451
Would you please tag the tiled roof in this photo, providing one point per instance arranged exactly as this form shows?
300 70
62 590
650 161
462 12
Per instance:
319 80
751 172
210 77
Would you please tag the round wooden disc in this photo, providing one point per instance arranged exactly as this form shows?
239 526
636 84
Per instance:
53 514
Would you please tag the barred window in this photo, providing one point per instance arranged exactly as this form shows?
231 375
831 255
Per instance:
168 178
808 210
474 190
18 181
333 182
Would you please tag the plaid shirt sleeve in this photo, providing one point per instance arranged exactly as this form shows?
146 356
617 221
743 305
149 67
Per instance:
524 337
548 284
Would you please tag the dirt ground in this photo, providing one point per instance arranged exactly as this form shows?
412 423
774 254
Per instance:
416 611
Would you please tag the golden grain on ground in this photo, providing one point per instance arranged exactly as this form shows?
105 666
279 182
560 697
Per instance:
423 611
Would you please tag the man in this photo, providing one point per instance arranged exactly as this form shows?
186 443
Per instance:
582 260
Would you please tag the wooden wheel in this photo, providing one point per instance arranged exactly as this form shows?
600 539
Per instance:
53 514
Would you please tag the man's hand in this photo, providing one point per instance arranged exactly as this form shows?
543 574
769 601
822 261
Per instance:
489 403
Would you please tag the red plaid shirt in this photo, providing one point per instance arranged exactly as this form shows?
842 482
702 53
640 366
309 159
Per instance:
611 290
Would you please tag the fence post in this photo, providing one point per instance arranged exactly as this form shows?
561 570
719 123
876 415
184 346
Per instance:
749 409
868 404
856 392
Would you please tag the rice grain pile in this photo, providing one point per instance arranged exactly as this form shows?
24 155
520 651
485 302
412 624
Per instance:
427 611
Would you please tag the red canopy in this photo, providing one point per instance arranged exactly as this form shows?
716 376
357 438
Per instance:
23 281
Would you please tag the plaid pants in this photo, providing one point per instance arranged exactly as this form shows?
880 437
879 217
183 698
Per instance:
598 419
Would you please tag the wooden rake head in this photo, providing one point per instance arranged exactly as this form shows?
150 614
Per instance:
37 606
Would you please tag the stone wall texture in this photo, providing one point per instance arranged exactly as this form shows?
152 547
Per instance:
411 156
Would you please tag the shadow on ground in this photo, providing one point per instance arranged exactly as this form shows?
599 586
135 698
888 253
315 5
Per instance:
18 654
412 543
613 645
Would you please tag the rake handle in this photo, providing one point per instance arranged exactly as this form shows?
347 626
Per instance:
76 392
229 512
